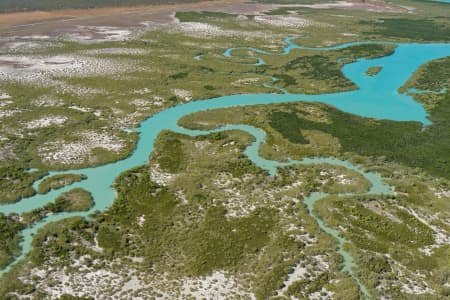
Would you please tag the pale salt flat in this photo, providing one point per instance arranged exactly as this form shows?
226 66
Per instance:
4 96
183 94
442 193
159 176
245 81
205 30
5 103
28 68
47 101
305 269
287 21
64 152
8 113
46 122
99 34
322 294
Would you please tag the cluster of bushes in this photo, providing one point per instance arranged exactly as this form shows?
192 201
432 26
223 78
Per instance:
16 183
419 29
9 239
403 142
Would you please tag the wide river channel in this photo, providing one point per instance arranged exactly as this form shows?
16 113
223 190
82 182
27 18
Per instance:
377 97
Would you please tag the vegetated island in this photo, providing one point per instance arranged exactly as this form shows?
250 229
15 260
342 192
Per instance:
373 71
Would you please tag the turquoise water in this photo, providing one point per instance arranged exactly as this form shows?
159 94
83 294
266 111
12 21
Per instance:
376 97
348 263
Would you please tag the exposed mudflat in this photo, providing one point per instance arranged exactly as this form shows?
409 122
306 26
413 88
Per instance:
120 22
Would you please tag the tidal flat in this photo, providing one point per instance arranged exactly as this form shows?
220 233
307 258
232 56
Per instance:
208 211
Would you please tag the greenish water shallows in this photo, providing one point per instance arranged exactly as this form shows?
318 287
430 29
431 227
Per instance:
377 97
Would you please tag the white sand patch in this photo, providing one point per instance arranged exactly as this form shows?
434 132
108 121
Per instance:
441 236
300 234
5 103
245 81
442 193
183 94
218 285
159 176
7 151
4 96
201 145
287 21
343 179
141 103
79 108
46 121
121 280
100 280
181 196
409 282
47 101
64 152
310 268
142 91
158 101
415 288
99 34
233 197
96 247
323 294
127 120
205 30
7 113
141 220
335 176
36 37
